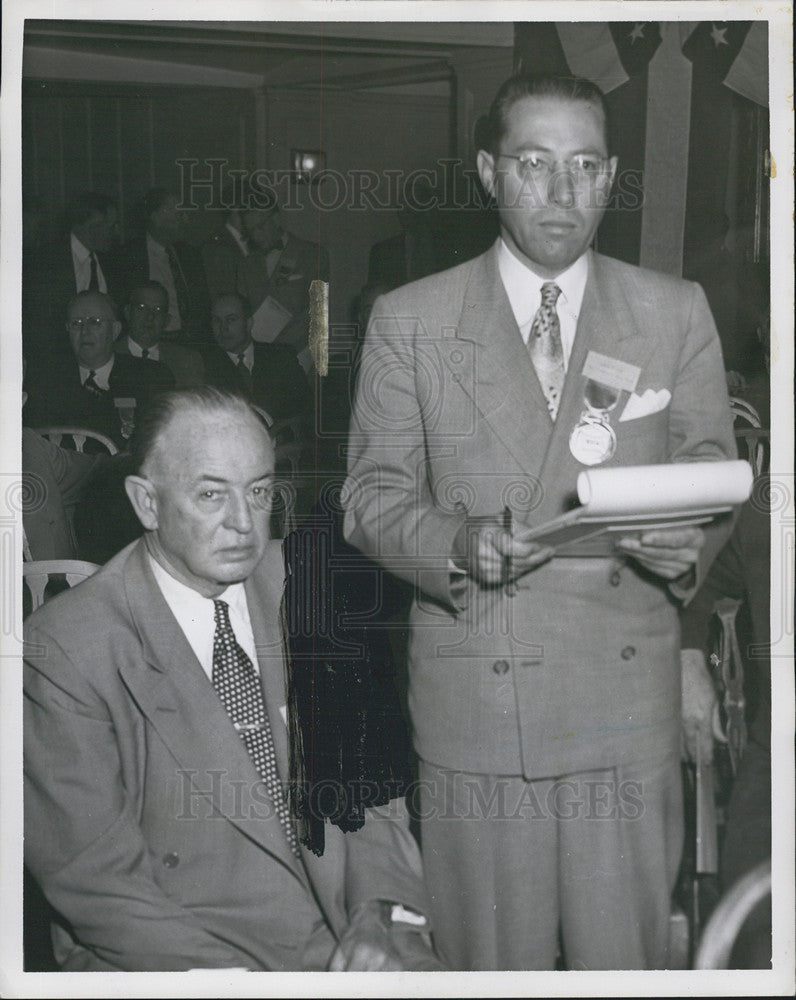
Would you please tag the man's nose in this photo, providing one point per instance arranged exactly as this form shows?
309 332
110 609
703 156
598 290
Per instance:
561 188
239 516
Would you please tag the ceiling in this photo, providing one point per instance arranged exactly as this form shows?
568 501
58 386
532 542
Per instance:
411 56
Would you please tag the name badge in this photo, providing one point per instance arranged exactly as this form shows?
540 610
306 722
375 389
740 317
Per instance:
611 372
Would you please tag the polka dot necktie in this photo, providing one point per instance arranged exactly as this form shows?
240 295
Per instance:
544 346
238 687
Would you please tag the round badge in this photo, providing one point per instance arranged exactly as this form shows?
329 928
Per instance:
592 442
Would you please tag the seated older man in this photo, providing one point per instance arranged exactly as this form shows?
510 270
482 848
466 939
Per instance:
145 314
96 389
156 746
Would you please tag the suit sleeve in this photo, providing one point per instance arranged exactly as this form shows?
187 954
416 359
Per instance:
700 421
83 842
390 512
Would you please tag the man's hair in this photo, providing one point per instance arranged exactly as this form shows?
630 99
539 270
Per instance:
242 301
152 285
154 199
86 204
568 88
156 415
91 293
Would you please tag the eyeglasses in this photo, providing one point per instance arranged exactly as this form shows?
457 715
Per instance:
583 168
143 309
89 322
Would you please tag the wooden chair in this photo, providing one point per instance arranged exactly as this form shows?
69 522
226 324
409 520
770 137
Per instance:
38 574
752 438
726 921
78 435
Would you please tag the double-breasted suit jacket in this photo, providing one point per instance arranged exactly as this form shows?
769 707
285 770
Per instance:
580 669
146 823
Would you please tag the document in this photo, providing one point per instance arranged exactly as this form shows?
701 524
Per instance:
620 500
269 320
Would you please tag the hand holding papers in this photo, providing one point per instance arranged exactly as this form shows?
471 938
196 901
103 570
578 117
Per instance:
616 501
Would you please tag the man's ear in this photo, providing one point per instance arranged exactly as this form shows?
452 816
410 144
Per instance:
143 496
612 164
486 170
117 329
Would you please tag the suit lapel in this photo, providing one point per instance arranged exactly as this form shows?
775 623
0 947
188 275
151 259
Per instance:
174 693
503 385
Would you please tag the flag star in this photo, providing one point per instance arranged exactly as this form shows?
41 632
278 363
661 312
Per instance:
637 32
717 34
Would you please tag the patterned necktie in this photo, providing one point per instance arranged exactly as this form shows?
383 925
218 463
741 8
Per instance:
238 687
93 281
544 346
145 353
91 385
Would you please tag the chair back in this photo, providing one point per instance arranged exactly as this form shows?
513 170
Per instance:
76 437
751 437
38 574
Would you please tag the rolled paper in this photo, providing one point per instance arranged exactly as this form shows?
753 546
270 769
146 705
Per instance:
618 491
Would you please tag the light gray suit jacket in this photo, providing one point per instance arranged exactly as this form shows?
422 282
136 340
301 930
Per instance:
145 821
581 668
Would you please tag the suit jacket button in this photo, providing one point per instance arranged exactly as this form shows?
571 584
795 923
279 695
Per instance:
616 578
171 860
500 666
628 652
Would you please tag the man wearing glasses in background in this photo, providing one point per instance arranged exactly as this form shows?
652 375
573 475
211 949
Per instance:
544 691
146 313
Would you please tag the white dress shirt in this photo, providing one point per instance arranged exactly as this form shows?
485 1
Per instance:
248 356
137 350
196 616
160 270
81 262
101 375
524 289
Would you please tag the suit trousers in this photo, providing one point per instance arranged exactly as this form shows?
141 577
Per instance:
510 863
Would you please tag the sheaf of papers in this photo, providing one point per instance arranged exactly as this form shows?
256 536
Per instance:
269 320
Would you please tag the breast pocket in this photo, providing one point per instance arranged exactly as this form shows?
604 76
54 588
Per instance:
643 441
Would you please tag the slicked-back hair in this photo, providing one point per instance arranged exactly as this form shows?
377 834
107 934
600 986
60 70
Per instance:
242 301
156 415
566 88
93 294
151 285
86 204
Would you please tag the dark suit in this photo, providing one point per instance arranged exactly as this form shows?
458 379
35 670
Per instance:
277 383
184 363
48 283
56 396
222 256
195 317
579 670
146 823
298 265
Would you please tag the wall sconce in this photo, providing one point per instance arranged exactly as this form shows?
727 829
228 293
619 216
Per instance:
307 164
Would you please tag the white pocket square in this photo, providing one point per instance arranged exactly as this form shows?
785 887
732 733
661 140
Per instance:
650 401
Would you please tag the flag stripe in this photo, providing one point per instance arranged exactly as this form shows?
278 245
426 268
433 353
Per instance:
748 75
590 51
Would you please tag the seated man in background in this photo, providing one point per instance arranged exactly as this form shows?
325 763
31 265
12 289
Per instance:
155 743
267 374
225 251
275 277
146 313
97 390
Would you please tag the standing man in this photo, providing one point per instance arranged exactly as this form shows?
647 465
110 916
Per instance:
146 313
162 254
156 749
275 277
544 691
226 250
82 261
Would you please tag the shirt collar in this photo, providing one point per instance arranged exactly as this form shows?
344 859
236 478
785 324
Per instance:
524 286
238 237
180 596
248 355
101 375
79 250
154 247
135 349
